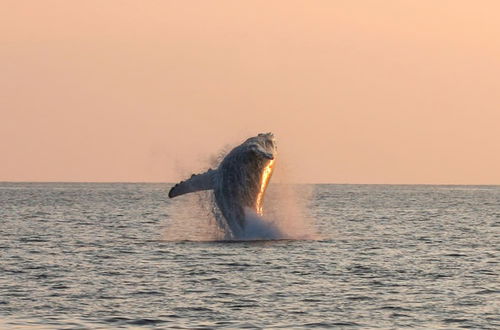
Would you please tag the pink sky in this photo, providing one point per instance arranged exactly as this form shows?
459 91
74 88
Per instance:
355 91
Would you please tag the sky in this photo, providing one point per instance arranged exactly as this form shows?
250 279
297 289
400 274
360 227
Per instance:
385 92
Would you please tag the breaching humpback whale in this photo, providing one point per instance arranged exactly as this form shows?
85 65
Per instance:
240 181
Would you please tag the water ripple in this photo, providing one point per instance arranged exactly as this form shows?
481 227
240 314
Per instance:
91 256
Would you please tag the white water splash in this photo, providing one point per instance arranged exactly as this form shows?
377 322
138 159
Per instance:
196 217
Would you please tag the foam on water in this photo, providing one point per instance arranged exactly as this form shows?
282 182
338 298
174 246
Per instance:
259 228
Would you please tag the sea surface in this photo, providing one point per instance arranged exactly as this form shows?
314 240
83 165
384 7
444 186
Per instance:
87 255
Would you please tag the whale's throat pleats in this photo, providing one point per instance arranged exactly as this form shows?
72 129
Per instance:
264 181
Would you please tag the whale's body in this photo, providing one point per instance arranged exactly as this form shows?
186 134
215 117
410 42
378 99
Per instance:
240 181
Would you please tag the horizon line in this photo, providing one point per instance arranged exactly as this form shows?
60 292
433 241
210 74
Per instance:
295 183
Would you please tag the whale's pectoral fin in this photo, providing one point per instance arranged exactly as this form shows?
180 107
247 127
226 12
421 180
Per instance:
196 182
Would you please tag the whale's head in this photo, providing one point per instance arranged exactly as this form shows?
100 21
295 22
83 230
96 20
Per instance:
264 145
265 150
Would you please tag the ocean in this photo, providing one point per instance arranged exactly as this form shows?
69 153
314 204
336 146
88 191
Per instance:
111 255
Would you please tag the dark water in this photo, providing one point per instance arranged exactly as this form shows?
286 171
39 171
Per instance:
94 256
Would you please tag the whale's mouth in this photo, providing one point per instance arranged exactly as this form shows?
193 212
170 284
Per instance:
268 155
267 171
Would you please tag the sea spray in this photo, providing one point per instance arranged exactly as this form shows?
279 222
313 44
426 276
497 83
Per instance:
192 219
287 207
197 218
